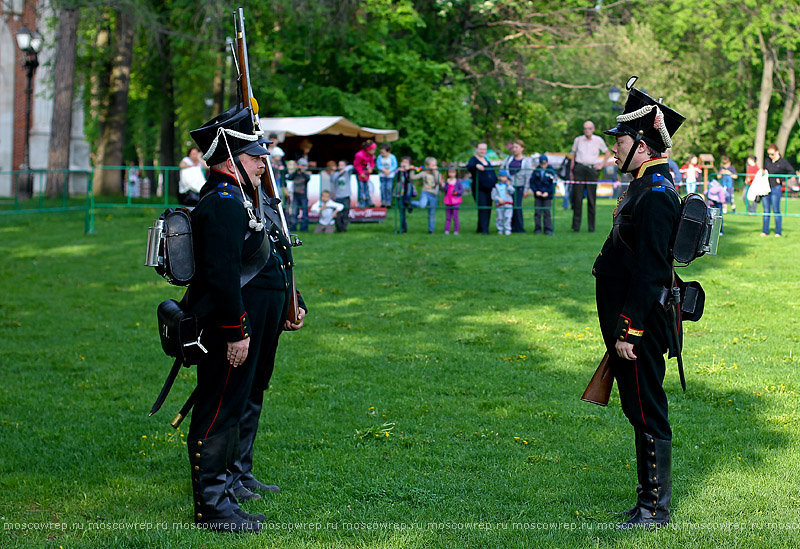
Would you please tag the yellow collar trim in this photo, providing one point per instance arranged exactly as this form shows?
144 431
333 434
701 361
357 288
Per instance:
651 162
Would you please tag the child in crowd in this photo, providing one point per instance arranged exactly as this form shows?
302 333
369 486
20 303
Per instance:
431 181
752 170
327 210
453 191
691 174
404 190
386 164
717 196
727 175
503 197
543 185
299 195
340 182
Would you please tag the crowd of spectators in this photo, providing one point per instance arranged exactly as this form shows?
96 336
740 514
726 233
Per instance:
501 186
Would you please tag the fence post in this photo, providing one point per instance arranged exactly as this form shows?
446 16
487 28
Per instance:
89 221
165 185
15 176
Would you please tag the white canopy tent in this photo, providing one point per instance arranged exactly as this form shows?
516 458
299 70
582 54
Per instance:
302 126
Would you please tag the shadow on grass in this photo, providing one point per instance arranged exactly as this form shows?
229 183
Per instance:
437 380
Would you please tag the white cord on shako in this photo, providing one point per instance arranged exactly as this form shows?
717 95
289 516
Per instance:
657 124
254 223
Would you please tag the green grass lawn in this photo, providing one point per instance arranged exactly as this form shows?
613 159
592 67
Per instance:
432 400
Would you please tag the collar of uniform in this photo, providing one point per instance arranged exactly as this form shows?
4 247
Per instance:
219 181
649 164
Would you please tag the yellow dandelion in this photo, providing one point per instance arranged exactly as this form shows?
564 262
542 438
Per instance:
516 438
144 436
736 340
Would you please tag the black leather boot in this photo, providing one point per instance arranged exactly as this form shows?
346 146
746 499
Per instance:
244 483
213 508
640 474
652 509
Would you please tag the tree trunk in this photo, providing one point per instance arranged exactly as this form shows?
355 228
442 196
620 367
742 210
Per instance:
791 106
768 57
98 90
64 83
112 138
167 153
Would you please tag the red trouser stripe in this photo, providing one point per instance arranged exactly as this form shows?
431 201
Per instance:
638 392
220 400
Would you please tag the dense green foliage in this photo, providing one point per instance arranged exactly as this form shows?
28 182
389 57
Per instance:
448 73
470 352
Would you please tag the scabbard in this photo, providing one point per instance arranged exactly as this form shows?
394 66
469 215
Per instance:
162 396
184 410
676 335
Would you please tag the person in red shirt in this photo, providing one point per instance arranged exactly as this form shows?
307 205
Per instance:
752 170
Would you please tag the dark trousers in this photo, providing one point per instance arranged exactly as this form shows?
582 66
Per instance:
541 216
589 175
640 381
343 217
517 224
273 311
222 390
300 211
484 210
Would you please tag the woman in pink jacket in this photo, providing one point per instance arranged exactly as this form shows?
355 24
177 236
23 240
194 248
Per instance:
364 163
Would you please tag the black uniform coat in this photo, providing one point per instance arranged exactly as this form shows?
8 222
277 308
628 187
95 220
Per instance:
229 311
631 270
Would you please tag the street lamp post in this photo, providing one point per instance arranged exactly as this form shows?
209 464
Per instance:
613 95
30 43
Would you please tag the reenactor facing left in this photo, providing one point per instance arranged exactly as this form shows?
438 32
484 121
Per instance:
240 291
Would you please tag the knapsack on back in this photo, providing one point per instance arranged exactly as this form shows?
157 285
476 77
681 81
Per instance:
170 248
698 229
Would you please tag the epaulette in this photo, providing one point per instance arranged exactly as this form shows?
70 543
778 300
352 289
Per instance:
224 192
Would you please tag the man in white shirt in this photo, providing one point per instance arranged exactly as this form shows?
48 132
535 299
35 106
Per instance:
586 164
327 210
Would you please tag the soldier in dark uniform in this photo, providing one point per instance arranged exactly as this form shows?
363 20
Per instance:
245 486
632 270
239 292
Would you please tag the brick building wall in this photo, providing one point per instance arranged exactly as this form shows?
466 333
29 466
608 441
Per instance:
15 21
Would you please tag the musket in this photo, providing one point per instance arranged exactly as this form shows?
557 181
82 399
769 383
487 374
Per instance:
599 389
271 187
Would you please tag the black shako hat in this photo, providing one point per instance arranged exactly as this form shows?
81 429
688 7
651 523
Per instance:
240 134
644 116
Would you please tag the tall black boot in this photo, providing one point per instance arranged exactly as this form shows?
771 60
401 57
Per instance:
654 501
213 508
233 455
244 483
640 475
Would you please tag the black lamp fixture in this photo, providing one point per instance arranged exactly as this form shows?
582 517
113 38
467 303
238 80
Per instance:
614 94
30 43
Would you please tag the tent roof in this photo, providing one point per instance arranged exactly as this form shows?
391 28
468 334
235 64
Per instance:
323 125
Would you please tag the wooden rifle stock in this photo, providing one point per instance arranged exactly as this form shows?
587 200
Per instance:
599 389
